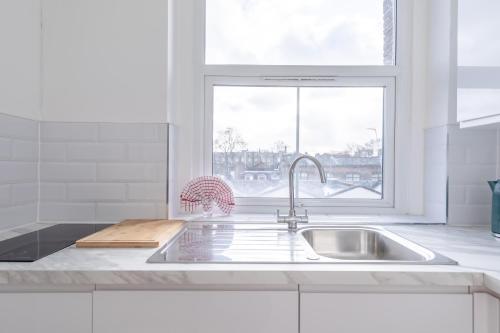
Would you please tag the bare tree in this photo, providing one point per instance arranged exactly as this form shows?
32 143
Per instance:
279 147
353 148
228 141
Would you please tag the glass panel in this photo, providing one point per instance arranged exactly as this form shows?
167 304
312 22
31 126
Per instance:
256 137
300 32
478 26
254 128
343 128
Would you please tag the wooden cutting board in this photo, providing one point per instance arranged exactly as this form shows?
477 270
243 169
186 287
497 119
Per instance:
133 233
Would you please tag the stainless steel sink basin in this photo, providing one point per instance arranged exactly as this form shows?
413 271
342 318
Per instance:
366 244
269 243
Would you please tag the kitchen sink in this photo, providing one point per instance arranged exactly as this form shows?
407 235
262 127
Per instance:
366 244
271 243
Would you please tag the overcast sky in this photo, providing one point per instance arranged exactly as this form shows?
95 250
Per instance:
330 118
293 32
327 32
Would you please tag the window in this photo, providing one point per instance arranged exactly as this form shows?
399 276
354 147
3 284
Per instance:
300 32
273 91
260 128
257 82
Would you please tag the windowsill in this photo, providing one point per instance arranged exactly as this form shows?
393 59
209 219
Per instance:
319 218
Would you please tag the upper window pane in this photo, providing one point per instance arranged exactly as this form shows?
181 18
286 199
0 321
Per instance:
300 32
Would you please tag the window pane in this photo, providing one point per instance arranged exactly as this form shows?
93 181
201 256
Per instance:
254 127
300 32
343 128
259 130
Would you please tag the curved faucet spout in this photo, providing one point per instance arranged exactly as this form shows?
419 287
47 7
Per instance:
291 177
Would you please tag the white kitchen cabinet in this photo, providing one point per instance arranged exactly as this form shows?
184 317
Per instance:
385 313
195 311
46 312
486 313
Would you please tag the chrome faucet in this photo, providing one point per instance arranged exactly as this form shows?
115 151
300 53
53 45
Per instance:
292 218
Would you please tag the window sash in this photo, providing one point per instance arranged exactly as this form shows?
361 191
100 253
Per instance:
263 205
200 8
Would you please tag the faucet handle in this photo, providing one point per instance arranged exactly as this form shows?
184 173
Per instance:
306 212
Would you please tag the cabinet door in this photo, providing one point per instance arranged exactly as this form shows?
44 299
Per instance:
385 313
195 311
486 313
46 312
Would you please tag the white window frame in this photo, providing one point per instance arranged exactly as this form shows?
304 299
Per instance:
188 75
249 204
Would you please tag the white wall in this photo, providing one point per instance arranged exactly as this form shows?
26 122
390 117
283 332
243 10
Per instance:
20 58
104 60
441 63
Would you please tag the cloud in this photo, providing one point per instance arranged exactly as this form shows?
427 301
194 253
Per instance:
319 32
330 118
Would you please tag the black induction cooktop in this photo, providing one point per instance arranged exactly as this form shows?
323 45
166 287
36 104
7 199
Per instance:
38 244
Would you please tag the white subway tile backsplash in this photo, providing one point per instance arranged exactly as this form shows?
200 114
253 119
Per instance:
52 152
5 149
67 172
163 133
97 192
463 215
435 170
471 174
24 193
53 192
65 132
457 195
19 128
5 195
98 152
435 185
153 152
478 195
456 155
103 169
469 194
83 171
129 132
122 172
14 216
147 192
17 172
485 153
25 151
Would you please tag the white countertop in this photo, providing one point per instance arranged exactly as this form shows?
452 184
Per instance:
476 251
